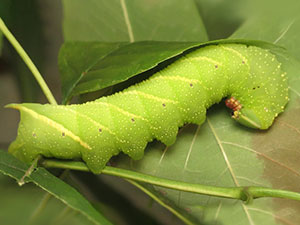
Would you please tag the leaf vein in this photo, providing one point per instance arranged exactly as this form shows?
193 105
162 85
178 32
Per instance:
263 155
284 32
127 21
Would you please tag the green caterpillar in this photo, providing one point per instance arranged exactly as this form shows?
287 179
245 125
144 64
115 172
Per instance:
155 108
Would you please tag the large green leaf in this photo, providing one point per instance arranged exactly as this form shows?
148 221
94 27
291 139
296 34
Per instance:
285 33
278 24
132 20
14 168
124 20
91 66
222 17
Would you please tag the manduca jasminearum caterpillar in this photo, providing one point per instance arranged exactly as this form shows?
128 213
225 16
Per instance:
250 76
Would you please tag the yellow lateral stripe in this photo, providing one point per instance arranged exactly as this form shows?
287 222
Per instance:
91 120
121 110
125 112
163 100
177 78
206 59
53 124
237 53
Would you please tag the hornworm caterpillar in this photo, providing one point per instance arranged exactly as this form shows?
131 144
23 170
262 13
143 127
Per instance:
155 108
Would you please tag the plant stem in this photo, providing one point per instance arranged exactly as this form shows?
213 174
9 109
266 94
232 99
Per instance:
242 193
28 62
157 199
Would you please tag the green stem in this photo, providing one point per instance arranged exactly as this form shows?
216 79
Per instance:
242 193
157 199
28 62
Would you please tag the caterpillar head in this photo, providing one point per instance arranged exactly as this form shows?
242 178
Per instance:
246 116
258 116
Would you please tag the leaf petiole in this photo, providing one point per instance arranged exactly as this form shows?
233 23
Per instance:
241 193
